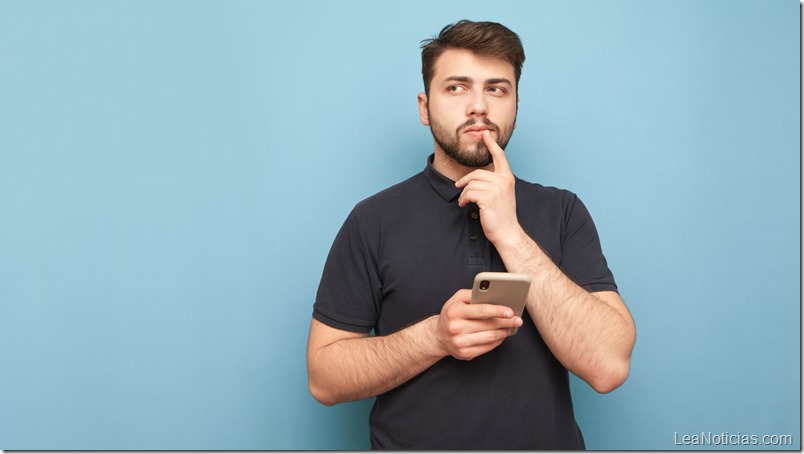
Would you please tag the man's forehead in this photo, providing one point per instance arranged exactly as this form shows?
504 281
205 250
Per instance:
456 62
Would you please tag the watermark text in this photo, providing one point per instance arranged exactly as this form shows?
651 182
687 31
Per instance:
731 439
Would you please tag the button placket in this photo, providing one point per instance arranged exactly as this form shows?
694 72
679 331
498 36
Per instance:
475 231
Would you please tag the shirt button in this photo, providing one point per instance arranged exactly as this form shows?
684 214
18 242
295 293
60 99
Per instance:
473 215
473 237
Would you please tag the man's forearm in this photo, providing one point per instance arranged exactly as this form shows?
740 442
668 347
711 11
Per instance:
591 335
362 367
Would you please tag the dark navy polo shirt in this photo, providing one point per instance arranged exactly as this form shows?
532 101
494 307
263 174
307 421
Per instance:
397 259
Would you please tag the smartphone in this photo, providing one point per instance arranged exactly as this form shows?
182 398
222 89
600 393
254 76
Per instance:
506 289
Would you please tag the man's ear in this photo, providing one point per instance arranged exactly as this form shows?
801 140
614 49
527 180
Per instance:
424 114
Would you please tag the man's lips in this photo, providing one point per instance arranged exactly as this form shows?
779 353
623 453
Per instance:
476 132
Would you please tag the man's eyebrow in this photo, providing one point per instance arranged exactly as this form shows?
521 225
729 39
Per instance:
458 79
499 80
467 79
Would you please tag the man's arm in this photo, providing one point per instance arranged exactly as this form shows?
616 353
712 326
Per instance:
344 366
591 334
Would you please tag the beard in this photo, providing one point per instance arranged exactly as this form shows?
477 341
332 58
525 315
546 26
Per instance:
472 155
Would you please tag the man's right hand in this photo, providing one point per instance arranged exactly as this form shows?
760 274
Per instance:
466 331
344 366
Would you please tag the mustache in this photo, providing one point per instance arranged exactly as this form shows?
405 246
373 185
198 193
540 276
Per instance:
471 122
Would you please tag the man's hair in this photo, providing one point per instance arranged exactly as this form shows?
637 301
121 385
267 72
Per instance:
487 39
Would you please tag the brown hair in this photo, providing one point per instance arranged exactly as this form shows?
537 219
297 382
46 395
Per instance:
488 39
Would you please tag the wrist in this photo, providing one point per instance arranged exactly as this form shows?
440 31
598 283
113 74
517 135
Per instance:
521 254
512 239
433 345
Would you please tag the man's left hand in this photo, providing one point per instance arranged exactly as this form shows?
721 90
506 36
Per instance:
493 192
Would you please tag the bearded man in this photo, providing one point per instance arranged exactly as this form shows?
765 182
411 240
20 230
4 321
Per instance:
448 374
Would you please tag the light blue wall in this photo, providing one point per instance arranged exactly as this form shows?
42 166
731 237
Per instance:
172 175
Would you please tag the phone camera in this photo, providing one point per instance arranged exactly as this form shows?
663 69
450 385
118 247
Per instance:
484 285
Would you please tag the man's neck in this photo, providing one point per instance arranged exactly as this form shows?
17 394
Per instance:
451 169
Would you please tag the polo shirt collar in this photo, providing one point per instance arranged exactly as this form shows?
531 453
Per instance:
441 184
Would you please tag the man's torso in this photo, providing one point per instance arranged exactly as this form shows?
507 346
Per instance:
400 255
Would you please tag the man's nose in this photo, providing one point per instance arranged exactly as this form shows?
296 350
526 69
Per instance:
477 104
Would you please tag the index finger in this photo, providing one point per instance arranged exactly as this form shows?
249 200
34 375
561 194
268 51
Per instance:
497 154
486 311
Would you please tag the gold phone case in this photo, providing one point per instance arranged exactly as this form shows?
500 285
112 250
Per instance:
506 289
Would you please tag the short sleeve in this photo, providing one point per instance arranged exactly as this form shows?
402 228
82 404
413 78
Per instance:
582 257
349 294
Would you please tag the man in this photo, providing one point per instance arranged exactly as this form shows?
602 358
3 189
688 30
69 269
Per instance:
446 373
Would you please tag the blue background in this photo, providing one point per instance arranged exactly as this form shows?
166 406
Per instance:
172 175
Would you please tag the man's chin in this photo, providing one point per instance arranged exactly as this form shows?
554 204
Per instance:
471 154
474 159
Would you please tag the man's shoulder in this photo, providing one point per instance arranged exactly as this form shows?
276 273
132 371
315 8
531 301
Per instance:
541 192
391 197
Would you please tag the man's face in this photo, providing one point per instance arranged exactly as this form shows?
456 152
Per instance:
469 93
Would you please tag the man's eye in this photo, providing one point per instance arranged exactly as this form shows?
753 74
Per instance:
454 88
497 90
